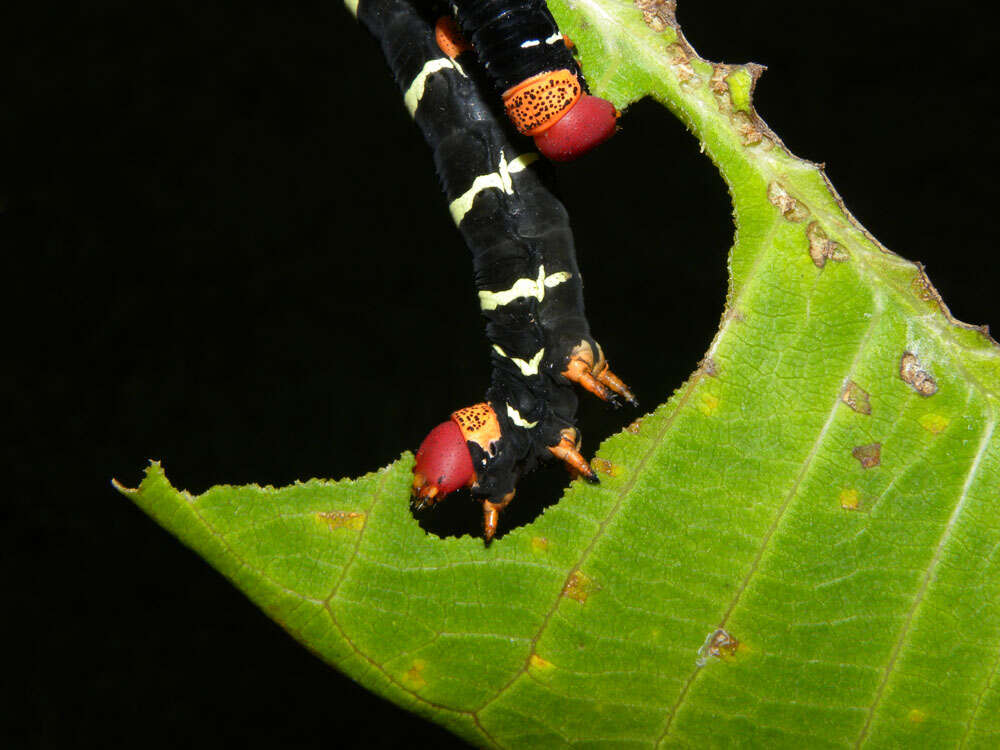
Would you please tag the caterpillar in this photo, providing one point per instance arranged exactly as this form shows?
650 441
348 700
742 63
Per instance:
526 277
528 60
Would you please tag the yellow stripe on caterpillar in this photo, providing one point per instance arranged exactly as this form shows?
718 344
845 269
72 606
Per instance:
527 367
415 92
516 418
499 180
523 288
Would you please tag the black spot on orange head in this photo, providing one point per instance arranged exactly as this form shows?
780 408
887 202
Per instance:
537 103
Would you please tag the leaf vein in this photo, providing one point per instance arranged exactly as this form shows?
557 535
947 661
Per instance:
918 599
769 534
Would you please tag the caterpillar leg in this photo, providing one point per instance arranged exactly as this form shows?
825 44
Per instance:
491 515
590 370
567 450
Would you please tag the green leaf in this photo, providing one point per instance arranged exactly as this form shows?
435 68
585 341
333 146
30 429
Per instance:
798 549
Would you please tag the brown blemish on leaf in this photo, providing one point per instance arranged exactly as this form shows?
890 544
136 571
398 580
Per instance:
709 367
635 427
718 645
658 14
539 543
605 467
923 287
580 587
732 314
915 376
791 208
849 499
934 423
717 83
340 519
746 126
681 61
821 248
413 677
868 455
856 397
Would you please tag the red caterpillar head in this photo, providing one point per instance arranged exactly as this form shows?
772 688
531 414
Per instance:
443 461
588 124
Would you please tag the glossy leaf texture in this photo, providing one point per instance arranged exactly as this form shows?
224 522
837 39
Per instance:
798 549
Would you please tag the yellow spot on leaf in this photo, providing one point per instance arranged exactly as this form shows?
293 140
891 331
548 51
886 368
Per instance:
340 519
580 587
917 716
740 83
413 677
849 499
934 422
707 404
539 543
605 467
537 662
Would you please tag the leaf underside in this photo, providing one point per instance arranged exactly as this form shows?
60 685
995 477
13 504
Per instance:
799 549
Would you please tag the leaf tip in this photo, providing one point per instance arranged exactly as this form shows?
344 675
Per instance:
153 472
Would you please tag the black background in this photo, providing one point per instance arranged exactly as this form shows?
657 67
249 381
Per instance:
226 250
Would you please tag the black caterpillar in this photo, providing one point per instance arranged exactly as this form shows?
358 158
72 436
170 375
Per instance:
529 285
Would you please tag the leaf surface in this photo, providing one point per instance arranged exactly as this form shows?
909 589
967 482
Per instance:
799 548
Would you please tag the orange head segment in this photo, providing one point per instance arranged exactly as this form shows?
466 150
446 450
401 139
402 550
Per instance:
479 425
449 39
536 104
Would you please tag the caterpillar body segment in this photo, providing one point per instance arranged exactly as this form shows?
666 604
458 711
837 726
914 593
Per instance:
526 276
531 66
